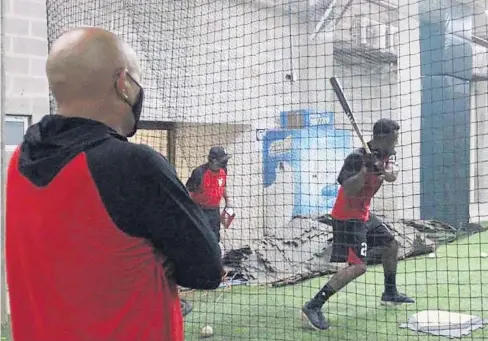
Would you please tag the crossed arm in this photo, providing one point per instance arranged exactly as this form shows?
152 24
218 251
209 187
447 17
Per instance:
146 199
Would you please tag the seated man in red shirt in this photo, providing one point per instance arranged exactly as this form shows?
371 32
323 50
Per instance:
355 229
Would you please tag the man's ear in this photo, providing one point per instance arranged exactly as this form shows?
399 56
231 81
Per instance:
123 85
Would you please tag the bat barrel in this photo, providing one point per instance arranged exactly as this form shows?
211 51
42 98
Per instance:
336 85
340 95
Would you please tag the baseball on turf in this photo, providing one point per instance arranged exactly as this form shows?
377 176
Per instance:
206 331
484 254
432 255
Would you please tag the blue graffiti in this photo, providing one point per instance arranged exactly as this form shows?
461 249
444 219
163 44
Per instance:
314 153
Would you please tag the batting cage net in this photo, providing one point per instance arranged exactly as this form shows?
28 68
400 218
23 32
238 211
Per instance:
254 77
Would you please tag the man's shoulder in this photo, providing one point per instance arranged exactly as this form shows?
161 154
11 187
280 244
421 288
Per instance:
356 155
118 153
201 169
358 152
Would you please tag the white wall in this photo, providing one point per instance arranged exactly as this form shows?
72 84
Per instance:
407 195
25 50
25 44
479 131
479 157
236 62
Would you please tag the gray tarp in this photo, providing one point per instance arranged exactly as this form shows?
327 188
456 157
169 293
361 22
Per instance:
302 249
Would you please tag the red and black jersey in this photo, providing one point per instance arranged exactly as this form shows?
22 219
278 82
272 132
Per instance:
206 186
90 217
356 207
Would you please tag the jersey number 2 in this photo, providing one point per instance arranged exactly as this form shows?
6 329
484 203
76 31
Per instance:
364 249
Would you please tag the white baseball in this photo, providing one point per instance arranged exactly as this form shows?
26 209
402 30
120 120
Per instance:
206 331
432 255
484 254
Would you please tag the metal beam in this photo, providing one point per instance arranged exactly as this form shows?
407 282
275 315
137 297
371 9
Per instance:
156 125
171 146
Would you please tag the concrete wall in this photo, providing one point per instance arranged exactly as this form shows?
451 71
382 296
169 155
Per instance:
479 129
25 55
479 157
25 44
407 200
25 51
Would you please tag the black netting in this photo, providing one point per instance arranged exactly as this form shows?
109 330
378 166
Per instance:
254 77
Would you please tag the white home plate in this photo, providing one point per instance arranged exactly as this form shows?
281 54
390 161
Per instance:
444 323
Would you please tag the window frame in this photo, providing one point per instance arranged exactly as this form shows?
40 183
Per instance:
16 118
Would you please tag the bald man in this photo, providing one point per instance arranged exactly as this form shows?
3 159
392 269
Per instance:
92 218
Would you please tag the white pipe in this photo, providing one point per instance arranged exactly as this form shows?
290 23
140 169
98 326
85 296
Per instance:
290 22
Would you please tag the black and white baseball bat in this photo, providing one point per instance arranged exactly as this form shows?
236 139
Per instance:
347 110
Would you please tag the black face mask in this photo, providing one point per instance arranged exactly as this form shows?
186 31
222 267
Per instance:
137 111
136 106
223 163
386 146
218 163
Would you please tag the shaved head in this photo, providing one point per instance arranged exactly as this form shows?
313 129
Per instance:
87 71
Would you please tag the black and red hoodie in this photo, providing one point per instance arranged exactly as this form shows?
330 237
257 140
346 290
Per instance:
90 216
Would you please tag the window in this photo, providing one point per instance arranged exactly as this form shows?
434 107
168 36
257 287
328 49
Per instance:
14 130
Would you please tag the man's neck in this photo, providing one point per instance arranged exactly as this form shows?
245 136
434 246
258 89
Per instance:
89 111
212 169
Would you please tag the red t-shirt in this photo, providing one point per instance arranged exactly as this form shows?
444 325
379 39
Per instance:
355 207
207 187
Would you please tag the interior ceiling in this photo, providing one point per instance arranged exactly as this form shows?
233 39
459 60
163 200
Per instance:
312 11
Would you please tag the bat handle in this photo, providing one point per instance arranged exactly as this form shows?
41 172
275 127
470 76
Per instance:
365 145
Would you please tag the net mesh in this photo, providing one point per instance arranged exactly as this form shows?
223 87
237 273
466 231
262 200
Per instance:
253 77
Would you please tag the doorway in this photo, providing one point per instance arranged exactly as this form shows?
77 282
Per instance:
159 135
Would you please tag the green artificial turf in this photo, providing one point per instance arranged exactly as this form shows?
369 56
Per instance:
455 280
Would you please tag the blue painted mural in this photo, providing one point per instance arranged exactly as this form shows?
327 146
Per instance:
314 153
